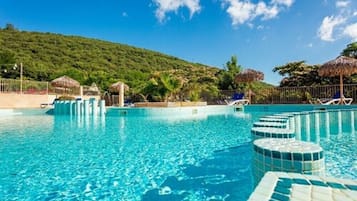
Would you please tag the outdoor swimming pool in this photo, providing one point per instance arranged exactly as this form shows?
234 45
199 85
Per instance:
45 157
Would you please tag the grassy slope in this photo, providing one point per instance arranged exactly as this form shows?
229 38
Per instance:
46 56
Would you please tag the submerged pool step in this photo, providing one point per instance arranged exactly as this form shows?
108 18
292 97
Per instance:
270 124
266 132
277 120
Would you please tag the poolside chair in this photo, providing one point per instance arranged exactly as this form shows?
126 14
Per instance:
238 99
335 100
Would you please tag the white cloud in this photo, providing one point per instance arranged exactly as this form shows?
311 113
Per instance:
342 4
327 27
244 11
165 6
287 3
351 31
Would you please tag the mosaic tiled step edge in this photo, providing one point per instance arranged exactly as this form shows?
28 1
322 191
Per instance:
290 155
277 120
270 124
298 187
269 132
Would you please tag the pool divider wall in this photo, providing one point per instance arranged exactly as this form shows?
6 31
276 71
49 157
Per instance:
80 107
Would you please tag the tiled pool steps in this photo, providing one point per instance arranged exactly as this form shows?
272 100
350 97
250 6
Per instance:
281 186
276 149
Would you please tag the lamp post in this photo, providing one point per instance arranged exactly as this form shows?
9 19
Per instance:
21 72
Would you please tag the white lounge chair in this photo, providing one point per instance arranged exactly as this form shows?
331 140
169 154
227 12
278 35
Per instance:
335 101
238 102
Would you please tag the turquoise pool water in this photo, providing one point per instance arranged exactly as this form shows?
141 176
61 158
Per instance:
136 158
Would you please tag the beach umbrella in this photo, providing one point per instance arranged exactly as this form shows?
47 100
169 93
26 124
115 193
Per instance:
341 66
116 87
249 76
65 82
119 87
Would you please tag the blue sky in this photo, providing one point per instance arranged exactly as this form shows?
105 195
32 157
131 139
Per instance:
262 34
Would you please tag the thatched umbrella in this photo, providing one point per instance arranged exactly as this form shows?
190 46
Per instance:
341 66
116 87
249 76
119 87
65 82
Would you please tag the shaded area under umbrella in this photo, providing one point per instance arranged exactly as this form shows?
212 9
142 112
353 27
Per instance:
341 66
249 76
65 82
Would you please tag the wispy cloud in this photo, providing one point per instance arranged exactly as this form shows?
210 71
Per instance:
342 4
351 31
340 24
242 12
287 3
166 6
327 27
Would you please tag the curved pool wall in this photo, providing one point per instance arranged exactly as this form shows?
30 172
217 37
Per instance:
289 147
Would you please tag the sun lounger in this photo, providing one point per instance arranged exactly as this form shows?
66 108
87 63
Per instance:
238 99
336 100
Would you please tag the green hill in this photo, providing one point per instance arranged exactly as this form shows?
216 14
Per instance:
46 56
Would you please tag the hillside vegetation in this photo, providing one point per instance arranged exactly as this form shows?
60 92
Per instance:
46 56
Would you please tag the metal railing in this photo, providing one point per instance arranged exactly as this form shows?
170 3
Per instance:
298 95
28 87
34 87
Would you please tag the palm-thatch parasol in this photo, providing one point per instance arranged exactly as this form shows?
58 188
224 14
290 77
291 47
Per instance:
249 76
65 82
119 87
341 66
116 87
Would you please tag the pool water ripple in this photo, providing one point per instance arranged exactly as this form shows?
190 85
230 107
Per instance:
49 158
135 158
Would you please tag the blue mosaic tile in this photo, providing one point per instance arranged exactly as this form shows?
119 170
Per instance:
297 156
282 190
301 181
276 154
307 157
285 183
315 156
318 183
336 185
280 197
286 156
352 187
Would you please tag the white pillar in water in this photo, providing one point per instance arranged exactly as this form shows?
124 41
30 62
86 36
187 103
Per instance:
86 109
102 107
317 126
121 95
298 126
78 107
352 122
327 125
94 106
307 126
339 115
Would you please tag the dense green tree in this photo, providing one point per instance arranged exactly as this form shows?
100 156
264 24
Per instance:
299 74
350 50
226 76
